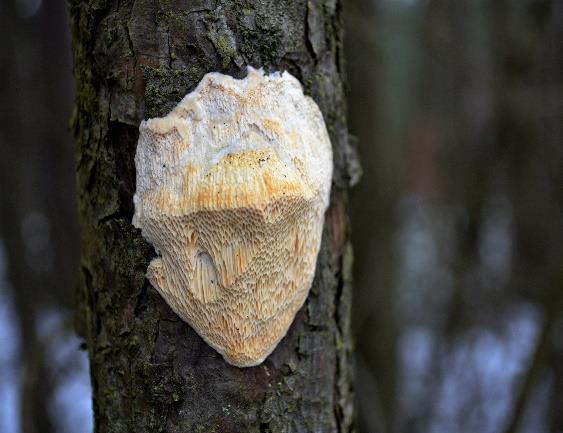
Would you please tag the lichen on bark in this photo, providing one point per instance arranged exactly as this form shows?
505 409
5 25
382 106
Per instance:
150 372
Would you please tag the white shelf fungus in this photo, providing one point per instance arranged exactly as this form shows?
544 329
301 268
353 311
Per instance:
232 187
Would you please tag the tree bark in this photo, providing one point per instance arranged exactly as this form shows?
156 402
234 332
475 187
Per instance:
150 371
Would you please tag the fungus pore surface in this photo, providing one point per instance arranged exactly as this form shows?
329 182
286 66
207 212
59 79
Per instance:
232 186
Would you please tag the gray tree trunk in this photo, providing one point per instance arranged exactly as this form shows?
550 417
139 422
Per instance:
150 371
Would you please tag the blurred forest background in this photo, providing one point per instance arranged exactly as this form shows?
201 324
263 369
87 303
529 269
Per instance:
457 222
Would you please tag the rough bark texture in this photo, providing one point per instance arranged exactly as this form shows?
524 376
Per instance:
150 371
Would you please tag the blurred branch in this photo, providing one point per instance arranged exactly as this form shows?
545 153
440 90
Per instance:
538 361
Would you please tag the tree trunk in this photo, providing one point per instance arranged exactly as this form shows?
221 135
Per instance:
150 371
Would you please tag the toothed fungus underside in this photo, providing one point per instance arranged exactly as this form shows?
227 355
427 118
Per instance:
232 186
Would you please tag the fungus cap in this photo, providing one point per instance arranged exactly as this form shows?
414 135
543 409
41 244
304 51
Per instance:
232 186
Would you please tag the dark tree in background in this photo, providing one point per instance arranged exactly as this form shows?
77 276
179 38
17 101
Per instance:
38 224
458 223
150 371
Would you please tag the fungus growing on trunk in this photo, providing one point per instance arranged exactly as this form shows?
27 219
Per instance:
232 186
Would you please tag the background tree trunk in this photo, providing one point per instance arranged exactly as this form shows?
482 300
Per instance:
36 194
150 371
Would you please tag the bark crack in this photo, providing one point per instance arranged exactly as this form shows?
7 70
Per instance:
308 41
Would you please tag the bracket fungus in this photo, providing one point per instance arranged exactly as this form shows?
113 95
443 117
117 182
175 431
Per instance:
232 187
